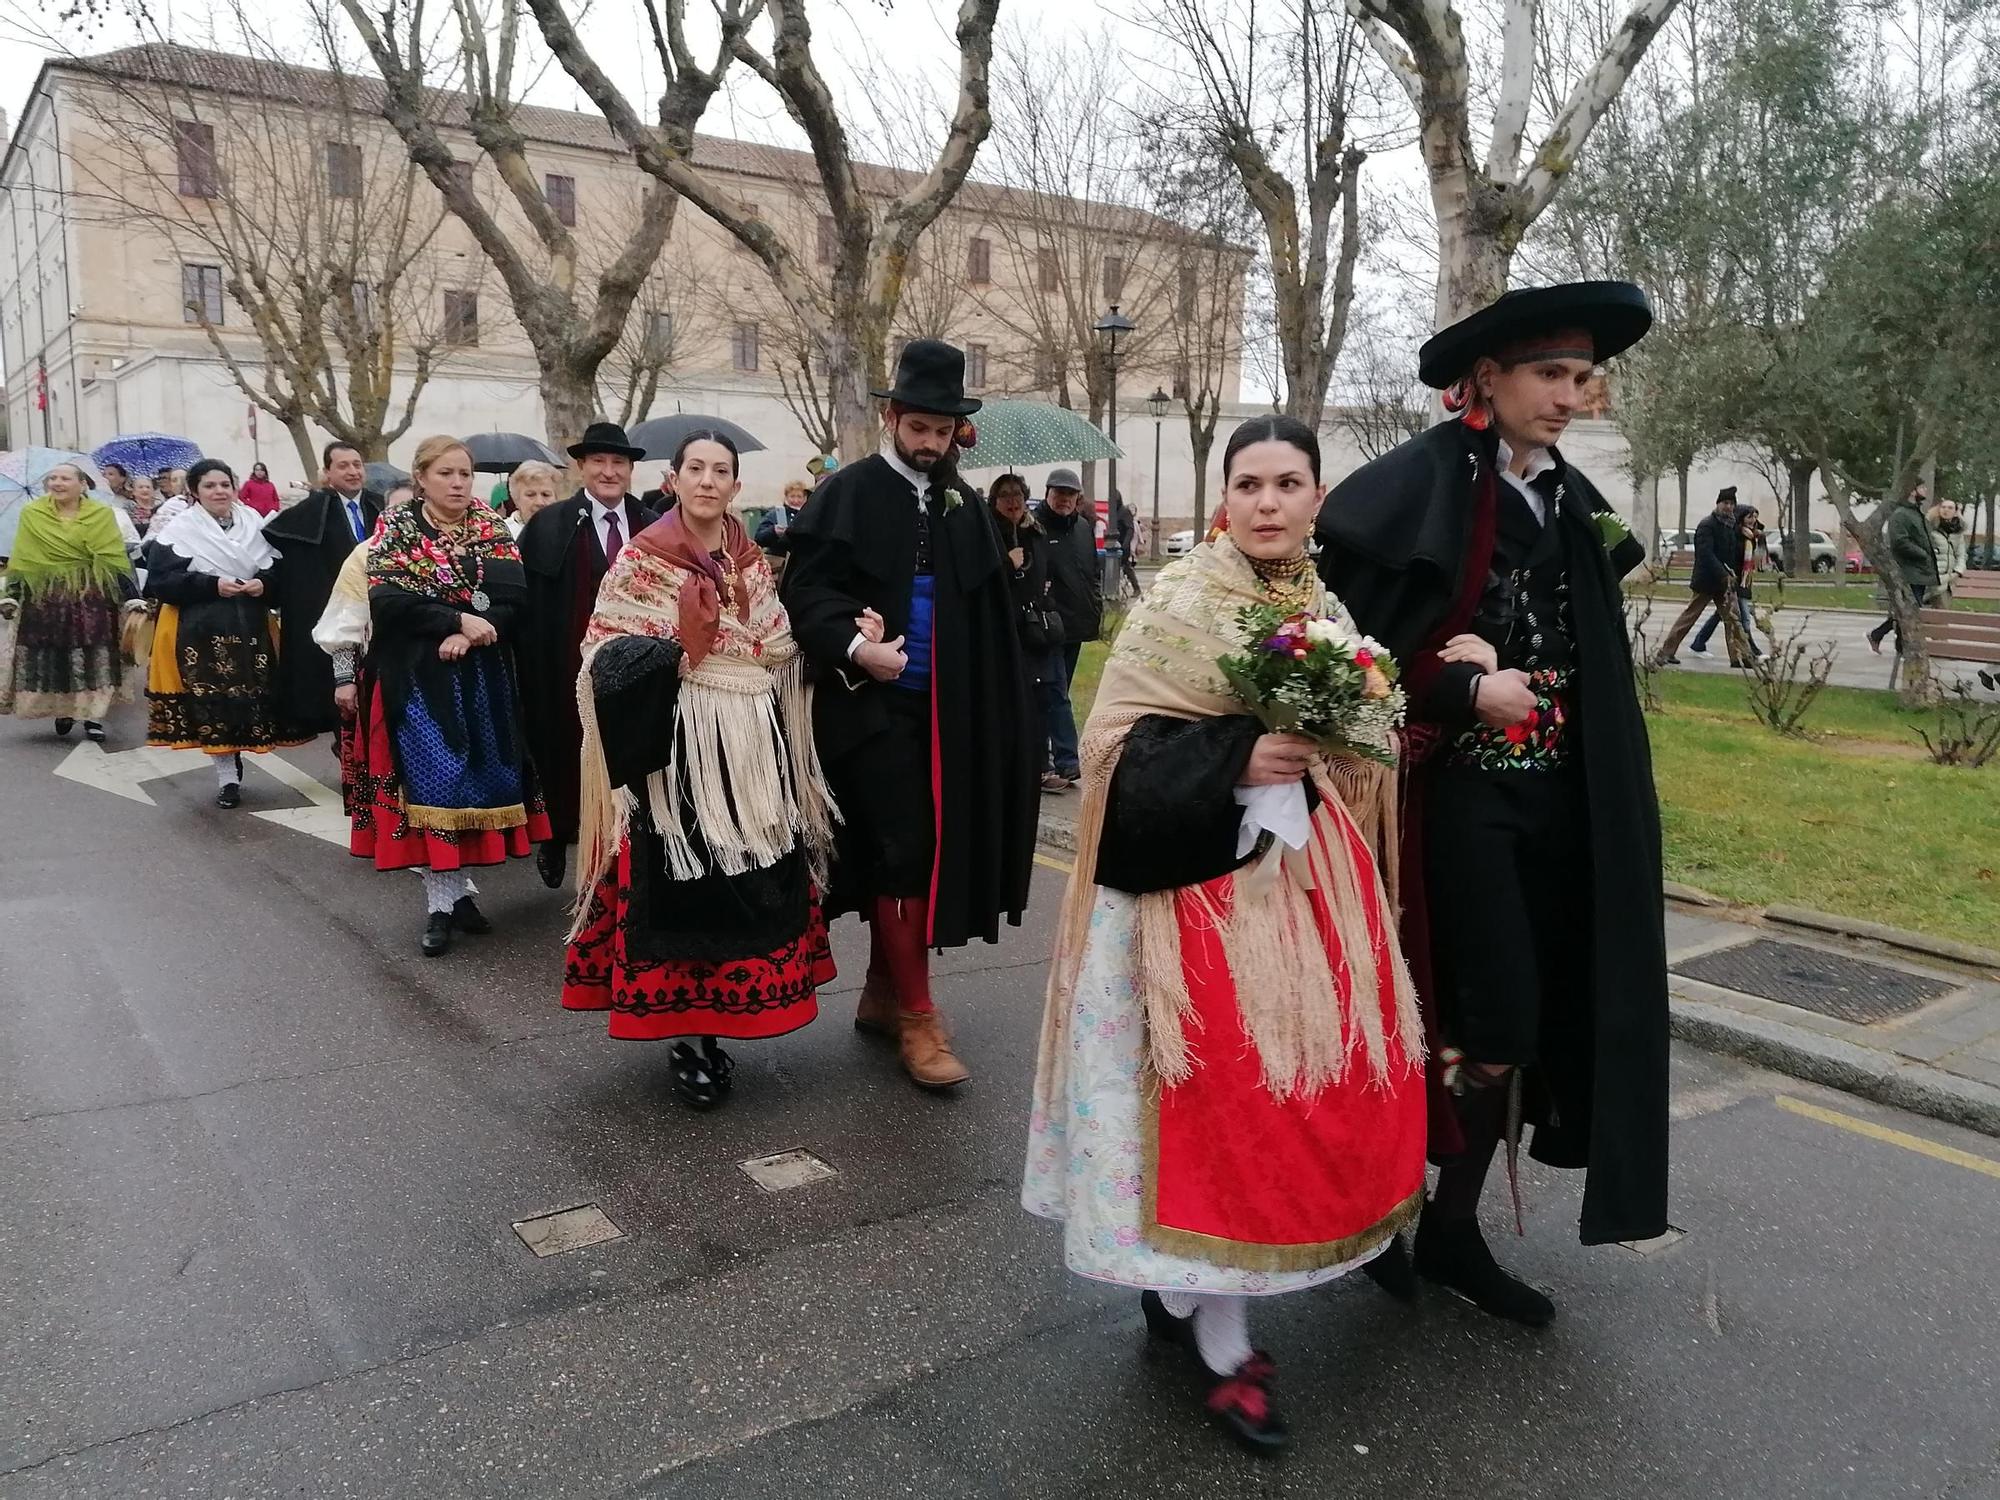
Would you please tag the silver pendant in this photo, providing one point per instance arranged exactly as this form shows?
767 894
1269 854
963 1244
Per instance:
479 600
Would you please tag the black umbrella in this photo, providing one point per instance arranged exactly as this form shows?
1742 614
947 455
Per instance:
504 452
384 477
662 435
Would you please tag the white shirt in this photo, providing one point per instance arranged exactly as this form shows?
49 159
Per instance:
1539 463
601 515
350 507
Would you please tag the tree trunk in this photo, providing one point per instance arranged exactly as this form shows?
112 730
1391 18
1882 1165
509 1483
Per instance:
569 401
302 440
1473 263
1201 441
1682 528
1646 511
1798 552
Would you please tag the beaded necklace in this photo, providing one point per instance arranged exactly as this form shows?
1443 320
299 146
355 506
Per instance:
1289 581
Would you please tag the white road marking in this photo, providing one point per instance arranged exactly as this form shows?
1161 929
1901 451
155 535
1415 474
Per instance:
124 773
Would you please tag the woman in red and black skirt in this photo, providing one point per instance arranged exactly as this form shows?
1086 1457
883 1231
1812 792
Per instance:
444 781
705 823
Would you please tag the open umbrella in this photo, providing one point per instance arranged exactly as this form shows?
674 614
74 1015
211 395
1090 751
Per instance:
504 452
148 452
381 477
660 436
1016 434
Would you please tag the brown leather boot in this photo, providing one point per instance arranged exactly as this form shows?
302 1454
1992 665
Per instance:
876 1014
927 1054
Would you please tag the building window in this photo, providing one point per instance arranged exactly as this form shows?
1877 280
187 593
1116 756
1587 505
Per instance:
343 169
1048 269
743 347
1190 291
979 261
829 240
194 156
561 193
1114 277
975 367
461 318
462 170
201 295
660 337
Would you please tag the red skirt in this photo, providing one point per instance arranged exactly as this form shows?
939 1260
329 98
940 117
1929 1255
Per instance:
380 831
1288 1182
758 995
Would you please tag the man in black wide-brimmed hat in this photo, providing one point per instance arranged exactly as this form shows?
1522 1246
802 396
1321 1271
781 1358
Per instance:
566 549
899 597
1530 866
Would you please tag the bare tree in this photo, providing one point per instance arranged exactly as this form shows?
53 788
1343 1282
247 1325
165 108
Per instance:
571 331
308 227
876 219
669 316
1277 100
1484 205
1379 401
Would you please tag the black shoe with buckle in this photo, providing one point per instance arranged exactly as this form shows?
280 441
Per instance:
93 731
1453 1253
702 1079
63 727
437 934
467 917
230 796
1243 1403
550 860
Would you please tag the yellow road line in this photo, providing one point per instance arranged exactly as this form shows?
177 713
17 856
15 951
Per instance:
1901 1138
1054 864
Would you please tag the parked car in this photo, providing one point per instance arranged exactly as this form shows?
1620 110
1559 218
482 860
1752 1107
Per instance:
1180 544
1825 556
1857 563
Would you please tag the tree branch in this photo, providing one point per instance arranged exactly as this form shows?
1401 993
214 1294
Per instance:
1589 101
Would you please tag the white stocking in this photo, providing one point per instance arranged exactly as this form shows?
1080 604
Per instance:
1221 1326
442 889
225 768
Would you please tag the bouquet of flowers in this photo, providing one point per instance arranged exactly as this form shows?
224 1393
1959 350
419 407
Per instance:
1316 676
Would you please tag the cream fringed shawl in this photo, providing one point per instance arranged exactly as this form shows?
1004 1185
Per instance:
743 769
1288 994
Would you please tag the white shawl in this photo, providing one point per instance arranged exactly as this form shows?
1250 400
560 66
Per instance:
238 551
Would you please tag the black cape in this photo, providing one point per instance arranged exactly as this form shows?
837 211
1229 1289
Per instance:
563 559
854 547
1396 537
313 539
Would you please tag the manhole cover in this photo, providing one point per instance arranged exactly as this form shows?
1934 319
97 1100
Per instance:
567 1229
1833 984
788 1169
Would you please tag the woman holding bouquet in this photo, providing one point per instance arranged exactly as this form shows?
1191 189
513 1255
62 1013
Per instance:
1229 1092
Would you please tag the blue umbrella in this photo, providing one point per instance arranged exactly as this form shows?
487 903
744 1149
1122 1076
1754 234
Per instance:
148 452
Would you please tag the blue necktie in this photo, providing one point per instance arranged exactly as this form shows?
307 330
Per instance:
354 519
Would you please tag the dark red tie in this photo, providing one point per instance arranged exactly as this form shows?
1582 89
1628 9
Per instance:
614 539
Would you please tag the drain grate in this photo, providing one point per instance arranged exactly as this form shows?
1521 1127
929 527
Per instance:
1831 984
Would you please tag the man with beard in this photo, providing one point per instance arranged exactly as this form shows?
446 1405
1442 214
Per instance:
313 539
1533 921
566 550
899 597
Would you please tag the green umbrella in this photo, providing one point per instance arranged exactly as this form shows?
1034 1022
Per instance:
1015 434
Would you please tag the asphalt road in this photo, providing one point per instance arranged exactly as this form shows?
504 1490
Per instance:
261 1161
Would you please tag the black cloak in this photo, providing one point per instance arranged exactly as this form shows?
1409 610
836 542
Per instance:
563 557
313 539
854 547
1398 537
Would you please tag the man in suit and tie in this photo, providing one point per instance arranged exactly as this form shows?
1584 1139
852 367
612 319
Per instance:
566 550
313 539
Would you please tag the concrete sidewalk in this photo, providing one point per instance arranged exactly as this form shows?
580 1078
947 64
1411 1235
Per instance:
1940 1057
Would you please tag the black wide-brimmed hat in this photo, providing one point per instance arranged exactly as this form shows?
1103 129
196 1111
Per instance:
605 437
931 377
1615 314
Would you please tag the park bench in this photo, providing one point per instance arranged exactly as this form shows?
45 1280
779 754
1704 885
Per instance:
1961 634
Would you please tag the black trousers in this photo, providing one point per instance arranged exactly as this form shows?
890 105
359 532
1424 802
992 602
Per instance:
883 786
1507 871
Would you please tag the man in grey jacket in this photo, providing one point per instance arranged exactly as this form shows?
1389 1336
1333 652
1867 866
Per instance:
1908 534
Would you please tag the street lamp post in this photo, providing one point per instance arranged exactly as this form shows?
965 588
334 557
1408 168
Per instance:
1113 325
1157 405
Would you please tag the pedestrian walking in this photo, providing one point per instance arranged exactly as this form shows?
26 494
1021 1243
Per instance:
706 825
921 712
1026 548
450 783
212 684
1076 591
67 587
1740 637
314 538
1948 546
776 527
566 549
259 493
1122 543
1490 567
1718 558
343 632
117 481
531 489
142 502
1229 1095
1907 533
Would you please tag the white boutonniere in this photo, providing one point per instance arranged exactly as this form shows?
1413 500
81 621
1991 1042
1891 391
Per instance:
952 501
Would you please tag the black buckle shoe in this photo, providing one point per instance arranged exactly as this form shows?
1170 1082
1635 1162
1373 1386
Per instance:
93 731
230 796
467 917
63 727
550 860
702 1079
437 934
1453 1254
1243 1402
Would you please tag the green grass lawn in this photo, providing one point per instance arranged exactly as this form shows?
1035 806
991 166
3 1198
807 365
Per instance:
1852 819
1860 595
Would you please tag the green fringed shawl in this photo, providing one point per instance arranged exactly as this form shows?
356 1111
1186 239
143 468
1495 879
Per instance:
79 555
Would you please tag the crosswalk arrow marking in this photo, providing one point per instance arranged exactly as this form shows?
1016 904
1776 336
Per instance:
123 772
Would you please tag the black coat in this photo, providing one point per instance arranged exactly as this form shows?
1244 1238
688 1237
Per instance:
1076 577
769 537
1397 537
557 545
854 547
1718 554
313 539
